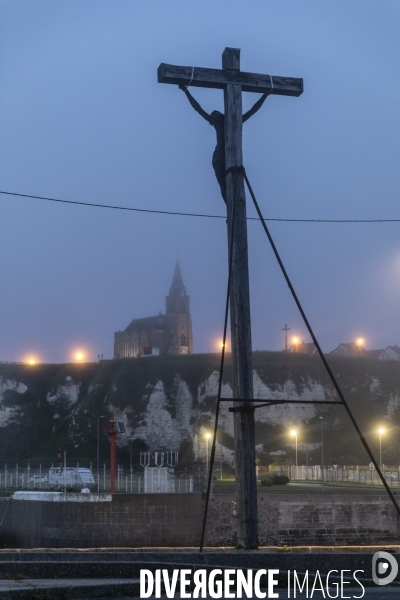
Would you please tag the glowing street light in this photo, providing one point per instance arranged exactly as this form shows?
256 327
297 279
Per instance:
295 341
360 342
30 359
79 356
381 431
207 436
220 344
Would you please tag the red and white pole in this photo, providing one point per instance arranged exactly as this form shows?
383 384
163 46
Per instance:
59 460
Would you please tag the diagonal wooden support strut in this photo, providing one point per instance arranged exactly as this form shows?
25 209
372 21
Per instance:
321 354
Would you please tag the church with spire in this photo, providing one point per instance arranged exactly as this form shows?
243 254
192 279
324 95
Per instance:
169 333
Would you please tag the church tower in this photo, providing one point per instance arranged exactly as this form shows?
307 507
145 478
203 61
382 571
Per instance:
170 333
178 316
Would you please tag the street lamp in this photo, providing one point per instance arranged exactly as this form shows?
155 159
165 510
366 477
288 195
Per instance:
130 456
359 342
381 431
307 459
296 343
221 455
220 344
322 452
294 434
207 436
98 451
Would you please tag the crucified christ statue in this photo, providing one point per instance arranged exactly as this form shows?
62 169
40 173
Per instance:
217 120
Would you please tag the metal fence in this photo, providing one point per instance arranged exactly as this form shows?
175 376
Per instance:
127 480
34 475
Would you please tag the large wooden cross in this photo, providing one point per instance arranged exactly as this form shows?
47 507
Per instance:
233 82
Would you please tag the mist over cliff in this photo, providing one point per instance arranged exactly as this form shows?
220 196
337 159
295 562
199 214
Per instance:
168 403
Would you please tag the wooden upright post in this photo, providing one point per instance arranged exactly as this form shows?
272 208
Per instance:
242 363
234 82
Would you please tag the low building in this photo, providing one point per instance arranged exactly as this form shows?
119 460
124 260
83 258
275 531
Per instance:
303 348
390 353
374 353
350 349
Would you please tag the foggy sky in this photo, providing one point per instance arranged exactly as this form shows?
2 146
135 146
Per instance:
83 118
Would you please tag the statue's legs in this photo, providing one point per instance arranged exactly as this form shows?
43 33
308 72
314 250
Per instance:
219 170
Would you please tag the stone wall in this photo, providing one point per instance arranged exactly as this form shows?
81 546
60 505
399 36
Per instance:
137 520
317 519
129 520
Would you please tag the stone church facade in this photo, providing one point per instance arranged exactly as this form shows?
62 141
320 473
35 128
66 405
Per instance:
169 333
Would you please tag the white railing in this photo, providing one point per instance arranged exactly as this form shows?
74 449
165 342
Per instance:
364 476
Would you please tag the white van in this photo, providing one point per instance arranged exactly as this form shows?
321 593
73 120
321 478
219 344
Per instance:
71 477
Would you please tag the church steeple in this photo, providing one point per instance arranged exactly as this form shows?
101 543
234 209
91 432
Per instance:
177 286
177 299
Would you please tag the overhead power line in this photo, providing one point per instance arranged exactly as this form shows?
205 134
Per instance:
200 215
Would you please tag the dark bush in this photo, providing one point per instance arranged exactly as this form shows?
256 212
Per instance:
280 480
266 481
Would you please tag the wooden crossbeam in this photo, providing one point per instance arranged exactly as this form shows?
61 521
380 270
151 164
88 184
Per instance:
281 401
218 78
273 402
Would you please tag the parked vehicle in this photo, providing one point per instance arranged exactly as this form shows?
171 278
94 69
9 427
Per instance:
70 477
86 476
38 479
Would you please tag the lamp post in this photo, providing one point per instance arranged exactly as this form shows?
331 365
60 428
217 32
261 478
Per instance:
381 431
221 456
286 329
294 433
296 343
207 436
322 452
307 460
359 343
98 451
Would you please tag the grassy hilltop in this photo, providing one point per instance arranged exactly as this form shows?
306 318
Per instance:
165 400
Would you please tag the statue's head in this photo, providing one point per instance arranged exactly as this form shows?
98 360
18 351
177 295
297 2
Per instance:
216 114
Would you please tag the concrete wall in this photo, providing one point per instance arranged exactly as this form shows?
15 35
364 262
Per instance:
137 520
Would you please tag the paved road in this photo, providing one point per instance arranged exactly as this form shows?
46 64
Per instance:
45 588
370 594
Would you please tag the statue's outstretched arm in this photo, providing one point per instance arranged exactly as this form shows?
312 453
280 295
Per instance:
195 104
255 108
